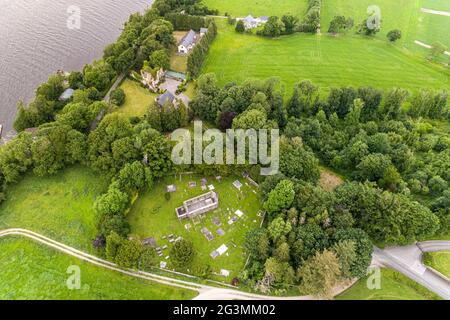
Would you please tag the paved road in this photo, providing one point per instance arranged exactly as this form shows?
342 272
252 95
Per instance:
205 292
434 246
408 260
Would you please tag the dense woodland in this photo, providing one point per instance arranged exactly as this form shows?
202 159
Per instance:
396 163
392 147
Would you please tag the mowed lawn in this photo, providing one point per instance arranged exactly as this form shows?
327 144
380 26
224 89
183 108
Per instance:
154 216
178 62
138 99
325 60
394 286
59 206
30 271
240 8
439 261
400 14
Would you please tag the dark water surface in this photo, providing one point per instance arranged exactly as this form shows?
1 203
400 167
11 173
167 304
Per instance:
35 41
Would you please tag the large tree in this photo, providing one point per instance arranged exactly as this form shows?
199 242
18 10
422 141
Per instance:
280 198
105 141
320 275
183 253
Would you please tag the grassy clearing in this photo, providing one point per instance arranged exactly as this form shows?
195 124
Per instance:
178 62
31 271
153 216
138 99
329 180
327 61
59 206
239 8
439 261
394 286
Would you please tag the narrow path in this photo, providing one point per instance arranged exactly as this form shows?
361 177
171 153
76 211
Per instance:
441 13
420 43
220 17
114 86
408 260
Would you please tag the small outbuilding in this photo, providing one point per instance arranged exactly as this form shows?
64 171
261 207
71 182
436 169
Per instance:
67 94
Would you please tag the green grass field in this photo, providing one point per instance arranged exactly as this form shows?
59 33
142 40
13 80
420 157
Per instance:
153 216
394 286
31 271
59 206
401 14
439 261
138 99
239 8
325 60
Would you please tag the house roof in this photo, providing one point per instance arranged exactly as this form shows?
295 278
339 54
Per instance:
188 39
168 96
203 30
67 94
176 75
249 18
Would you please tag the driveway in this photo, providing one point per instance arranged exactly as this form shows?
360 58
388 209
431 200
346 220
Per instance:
171 85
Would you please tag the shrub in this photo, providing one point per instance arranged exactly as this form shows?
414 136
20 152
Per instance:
240 26
394 35
118 97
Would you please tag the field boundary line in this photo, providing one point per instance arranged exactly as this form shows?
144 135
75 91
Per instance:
436 12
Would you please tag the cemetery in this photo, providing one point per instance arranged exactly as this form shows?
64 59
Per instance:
209 211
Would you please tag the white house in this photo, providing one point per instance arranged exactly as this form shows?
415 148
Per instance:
250 22
188 42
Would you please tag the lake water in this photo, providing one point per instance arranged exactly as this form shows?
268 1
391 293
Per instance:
39 37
